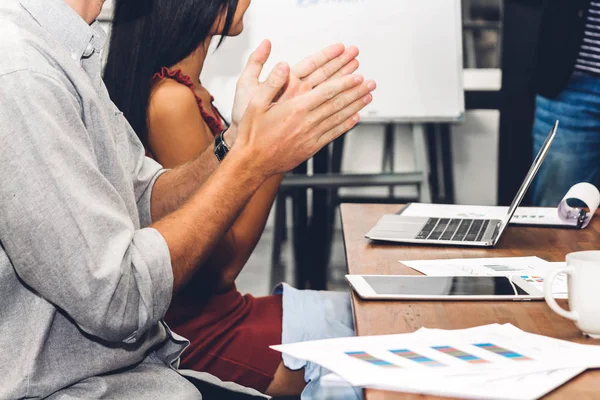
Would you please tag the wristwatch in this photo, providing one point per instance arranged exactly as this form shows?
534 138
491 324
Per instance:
221 148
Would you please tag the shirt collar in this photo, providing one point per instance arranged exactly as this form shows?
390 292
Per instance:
66 26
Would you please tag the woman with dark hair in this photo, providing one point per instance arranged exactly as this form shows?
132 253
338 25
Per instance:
156 56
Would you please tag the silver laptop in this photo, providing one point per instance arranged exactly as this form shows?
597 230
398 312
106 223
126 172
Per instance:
456 231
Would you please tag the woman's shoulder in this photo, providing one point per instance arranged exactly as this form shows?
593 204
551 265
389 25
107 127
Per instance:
172 99
176 130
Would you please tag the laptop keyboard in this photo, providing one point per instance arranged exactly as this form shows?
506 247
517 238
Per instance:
457 230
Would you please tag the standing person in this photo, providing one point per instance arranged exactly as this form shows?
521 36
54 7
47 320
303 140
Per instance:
567 78
159 89
95 237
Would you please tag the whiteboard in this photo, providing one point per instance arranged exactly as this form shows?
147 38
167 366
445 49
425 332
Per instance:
412 48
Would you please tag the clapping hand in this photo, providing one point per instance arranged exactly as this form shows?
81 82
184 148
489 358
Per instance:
288 118
332 62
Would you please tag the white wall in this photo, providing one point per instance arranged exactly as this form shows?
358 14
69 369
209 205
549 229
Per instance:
475 158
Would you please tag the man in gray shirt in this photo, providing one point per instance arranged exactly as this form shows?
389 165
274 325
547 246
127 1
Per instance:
94 236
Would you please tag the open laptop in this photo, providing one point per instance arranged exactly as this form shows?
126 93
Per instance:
456 231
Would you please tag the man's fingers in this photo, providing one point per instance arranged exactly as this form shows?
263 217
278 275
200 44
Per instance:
338 131
341 102
347 69
339 117
293 88
270 89
256 62
332 67
312 63
327 91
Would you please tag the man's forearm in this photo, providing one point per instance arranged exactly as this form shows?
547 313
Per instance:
231 254
175 187
192 231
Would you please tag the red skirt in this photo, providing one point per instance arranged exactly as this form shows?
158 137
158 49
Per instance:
230 335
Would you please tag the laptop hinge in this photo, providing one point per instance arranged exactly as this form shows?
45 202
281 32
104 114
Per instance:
496 231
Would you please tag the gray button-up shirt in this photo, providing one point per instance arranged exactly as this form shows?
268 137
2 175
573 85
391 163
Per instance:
84 282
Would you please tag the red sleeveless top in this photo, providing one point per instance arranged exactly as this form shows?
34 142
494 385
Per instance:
229 333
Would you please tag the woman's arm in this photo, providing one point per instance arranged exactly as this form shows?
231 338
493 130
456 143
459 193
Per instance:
177 134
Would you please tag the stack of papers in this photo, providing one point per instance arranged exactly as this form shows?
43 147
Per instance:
487 362
532 269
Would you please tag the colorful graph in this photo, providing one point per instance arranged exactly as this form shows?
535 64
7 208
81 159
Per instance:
502 351
368 358
461 355
533 279
418 358
503 268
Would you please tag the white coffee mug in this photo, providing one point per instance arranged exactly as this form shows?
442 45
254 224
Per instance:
583 271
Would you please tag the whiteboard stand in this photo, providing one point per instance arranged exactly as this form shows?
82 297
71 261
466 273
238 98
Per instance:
421 152
387 163
421 161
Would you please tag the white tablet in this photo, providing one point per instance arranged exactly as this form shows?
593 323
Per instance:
409 287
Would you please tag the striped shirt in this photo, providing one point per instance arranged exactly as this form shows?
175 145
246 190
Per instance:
588 60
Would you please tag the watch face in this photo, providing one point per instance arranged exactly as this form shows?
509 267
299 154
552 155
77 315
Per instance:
221 148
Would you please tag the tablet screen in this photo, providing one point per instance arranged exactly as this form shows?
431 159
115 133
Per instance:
443 286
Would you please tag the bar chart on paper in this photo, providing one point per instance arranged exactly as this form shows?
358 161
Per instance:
370 359
502 352
533 279
397 358
461 355
418 358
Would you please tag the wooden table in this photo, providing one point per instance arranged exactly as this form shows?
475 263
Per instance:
382 317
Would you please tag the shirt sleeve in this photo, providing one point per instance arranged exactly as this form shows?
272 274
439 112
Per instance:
64 227
144 175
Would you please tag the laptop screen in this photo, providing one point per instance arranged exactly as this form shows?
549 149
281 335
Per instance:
537 163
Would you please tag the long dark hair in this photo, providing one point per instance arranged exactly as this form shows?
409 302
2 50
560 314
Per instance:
148 35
